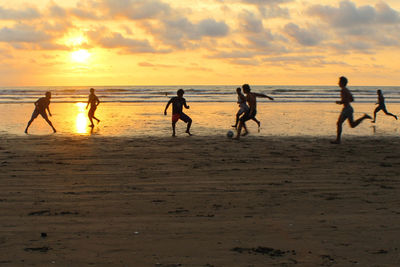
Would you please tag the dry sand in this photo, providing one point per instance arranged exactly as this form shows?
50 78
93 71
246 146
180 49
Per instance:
261 201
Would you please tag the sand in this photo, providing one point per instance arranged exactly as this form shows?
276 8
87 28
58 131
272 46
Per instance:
196 201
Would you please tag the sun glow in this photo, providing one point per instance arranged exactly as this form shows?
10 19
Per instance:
81 119
80 56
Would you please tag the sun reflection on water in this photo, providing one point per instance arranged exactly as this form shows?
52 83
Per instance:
81 119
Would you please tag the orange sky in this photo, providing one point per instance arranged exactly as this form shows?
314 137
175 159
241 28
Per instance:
159 42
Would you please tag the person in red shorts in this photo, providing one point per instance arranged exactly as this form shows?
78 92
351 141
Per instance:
178 102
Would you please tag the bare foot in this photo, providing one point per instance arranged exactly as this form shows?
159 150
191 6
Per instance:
336 142
189 133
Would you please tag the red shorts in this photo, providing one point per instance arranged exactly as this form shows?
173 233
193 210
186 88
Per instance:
181 116
175 117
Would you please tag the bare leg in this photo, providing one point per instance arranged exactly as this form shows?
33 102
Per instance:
355 123
376 111
339 129
188 127
237 120
390 114
49 122
173 129
239 130
257 121
29 124
91 122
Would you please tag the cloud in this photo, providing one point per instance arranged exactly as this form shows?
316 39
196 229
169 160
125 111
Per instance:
250 23
22 33
349 15
57 11
265 2
303 36
27 13
117 40
212 28
180 32
365 28
136 9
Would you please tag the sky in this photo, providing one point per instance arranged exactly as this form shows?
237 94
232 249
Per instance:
196 42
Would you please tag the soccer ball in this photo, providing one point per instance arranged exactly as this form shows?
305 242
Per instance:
229 134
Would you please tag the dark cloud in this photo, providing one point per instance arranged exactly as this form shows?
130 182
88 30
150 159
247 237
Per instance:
250 23
210 27
349 15
265 2
116 40
365 28
23 14
303 36
136 9
22 33
180 32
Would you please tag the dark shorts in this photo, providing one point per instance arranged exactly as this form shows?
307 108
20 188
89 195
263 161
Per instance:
347 113
91 111
36 113
248 116
180 116
381 107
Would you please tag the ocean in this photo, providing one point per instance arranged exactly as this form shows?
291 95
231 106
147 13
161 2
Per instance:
203 93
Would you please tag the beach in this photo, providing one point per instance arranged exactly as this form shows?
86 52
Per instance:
126 193
199 201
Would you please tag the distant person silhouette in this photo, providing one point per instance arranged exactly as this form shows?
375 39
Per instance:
347 111
243 107
93 102
178 102
251 99
40 108
381 106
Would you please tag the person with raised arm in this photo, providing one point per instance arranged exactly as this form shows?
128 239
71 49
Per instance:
251 99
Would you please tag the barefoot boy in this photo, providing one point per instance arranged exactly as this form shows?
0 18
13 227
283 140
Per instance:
381 106
347 111
251 99
94 102
40 108
178 102
243 108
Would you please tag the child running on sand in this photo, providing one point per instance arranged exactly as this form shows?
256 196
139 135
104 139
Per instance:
251 99
347 111
40 108
178 102
93 102
243 108
381 106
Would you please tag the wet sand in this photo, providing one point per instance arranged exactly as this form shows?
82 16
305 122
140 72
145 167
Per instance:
196 201
209 119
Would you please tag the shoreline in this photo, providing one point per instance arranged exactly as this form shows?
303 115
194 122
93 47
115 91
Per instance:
209 119
199 201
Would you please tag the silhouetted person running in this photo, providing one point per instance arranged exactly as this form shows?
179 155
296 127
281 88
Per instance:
178 102
243 107
347 111
251 99
40 108
381 106
93 102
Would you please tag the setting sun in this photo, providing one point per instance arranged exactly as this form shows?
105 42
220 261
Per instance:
80 56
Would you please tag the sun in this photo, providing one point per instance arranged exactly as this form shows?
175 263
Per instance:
80 56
